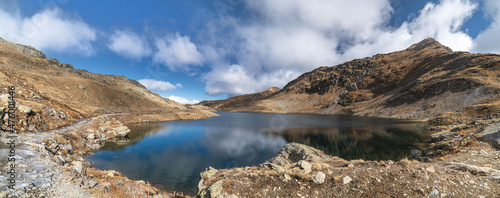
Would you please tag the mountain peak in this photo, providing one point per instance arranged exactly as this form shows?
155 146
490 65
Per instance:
428 43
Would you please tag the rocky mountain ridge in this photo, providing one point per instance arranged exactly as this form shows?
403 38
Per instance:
28 50
232 103
425 81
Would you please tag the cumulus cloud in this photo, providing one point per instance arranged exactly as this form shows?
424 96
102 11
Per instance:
237 80
182 100
158 85
129 45
282 40
488 40
177 52
49 29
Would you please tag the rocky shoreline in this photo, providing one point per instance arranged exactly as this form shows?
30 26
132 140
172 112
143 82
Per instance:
302 171
52 163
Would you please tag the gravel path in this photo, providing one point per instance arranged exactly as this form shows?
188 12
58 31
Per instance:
37 175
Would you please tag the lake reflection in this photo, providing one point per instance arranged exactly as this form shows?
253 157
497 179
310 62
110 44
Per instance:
172 154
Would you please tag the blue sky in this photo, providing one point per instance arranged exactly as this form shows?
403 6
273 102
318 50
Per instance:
204 50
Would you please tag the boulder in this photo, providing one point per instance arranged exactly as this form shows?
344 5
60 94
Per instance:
306 166
318 177
215 190
205 175
78 166
415 153
294 152
443 136
120 131
346 180
491 135
24 109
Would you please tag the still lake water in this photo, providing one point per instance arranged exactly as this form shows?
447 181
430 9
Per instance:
172 154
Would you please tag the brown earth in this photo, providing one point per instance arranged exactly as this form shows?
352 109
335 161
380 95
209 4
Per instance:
425 81
238 103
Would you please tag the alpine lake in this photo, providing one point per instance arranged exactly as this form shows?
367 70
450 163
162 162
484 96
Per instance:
172 154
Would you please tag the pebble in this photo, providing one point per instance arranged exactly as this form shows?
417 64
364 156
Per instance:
346 180
319 177
434 193
287 177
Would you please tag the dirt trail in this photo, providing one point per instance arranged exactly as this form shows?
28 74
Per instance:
51 163
37 174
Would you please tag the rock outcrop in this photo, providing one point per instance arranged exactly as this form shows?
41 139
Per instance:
28 50
295 152
491 134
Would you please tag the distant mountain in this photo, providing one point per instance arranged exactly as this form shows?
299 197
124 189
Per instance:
234 103
51 94
426 80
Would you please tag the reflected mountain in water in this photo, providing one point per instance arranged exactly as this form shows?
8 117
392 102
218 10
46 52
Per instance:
172 154
369 143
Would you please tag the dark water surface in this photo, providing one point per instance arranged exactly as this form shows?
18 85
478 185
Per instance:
172 154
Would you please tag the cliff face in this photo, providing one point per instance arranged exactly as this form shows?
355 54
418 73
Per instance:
51 94
427 80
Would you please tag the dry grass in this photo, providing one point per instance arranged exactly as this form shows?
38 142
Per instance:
129 188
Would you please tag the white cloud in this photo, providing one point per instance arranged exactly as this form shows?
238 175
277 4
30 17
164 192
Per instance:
157 85
282 40
177 52
182 100
488 40
129 45
49 29
236 80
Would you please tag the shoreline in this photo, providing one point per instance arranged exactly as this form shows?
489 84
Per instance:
52 163
90 181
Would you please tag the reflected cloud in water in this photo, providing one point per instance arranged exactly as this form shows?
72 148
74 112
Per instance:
172 154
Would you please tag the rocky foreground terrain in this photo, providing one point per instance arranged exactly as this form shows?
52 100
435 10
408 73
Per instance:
302 171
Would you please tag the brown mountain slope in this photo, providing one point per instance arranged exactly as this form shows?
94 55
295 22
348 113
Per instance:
234 103
427 80
52 94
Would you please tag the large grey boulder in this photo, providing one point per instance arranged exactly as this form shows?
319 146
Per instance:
294 152
120 131
491 135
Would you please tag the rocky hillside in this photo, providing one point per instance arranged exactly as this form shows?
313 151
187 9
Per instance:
51 94
426 80
233 103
